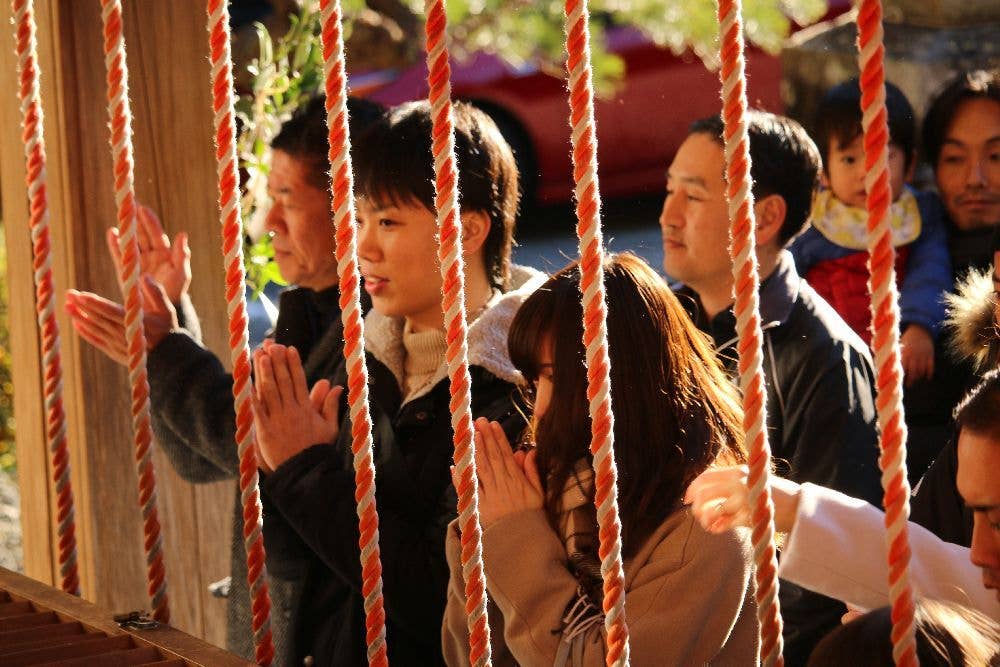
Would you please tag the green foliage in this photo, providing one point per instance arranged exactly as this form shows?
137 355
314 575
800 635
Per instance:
530 31
7 461
285 75
523 32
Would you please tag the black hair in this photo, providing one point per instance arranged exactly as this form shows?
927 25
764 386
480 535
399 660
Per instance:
393 164
979 410
979 84
783 161
305 136
838 118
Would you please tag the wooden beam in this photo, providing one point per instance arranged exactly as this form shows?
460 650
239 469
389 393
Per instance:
175 173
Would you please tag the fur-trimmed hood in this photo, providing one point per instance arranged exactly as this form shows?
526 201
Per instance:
974 333
487 334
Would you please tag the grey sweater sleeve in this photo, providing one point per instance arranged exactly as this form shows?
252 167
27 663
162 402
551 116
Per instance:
191 398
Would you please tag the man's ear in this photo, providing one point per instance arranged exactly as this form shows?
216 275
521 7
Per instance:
475 229
770 212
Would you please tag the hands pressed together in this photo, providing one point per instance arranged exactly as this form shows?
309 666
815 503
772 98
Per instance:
508 481
288 416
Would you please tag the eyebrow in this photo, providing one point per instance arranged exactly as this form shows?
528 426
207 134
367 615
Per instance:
982 508
950 141
693 180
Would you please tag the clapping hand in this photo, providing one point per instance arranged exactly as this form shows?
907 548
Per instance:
168 264
101 322
720 500
288 417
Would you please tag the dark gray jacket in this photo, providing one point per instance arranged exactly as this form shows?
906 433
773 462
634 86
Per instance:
820 414
194 423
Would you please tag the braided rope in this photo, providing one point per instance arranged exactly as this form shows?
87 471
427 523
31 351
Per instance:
885 329
55 418
595 334
453 306
236 307
120 114
354 332
746 309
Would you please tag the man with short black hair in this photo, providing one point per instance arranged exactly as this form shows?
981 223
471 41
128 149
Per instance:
820 397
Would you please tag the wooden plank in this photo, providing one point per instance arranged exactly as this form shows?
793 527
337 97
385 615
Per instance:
198 524
55 638
60 607
89 649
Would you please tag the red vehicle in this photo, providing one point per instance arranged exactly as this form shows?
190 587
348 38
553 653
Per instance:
638 130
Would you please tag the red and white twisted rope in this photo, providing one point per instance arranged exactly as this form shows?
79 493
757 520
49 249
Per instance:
595 333
236 307
885 328
453 306
354 334
748 326
121 150
38 222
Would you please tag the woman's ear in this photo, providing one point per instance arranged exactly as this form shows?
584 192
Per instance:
475 229
770 212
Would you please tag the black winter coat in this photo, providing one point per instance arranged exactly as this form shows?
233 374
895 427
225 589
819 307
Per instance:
314 493
191 397
820 415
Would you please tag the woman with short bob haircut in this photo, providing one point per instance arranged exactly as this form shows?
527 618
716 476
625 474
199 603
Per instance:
689 593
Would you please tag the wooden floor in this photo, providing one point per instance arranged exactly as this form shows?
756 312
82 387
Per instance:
40 625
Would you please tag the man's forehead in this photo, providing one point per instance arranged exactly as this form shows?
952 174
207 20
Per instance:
978 462
700 160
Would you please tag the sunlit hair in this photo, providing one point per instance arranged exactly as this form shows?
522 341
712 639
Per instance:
979 410
676 413
947 634
393 165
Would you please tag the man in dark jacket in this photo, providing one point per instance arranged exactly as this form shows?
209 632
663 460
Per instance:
307 451
820 383
191 394
961 139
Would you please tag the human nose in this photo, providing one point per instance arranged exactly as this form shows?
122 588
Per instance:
976 174
367 243
671 215
984 552
274 221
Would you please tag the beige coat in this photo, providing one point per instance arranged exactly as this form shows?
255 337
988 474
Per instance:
689 598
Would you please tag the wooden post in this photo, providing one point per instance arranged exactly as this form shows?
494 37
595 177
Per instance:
175 174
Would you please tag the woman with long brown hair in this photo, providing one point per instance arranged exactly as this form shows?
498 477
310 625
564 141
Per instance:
688 592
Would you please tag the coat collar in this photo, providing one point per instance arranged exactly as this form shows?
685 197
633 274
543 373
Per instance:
487 334
778 294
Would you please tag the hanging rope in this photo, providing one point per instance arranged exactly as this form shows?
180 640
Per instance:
38 222
885 325
595 333
453 305
746 309
354 332
232 250
121 150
